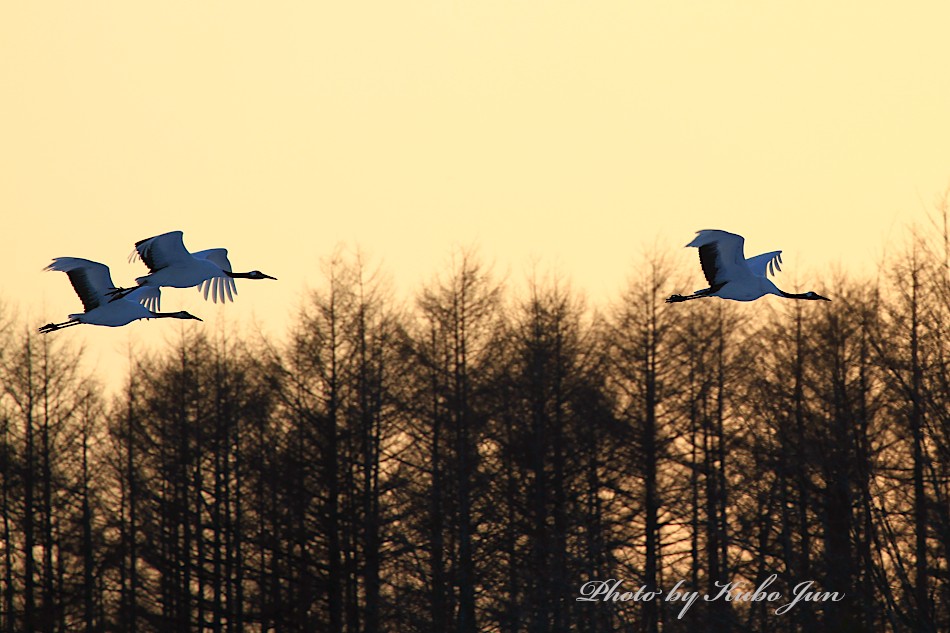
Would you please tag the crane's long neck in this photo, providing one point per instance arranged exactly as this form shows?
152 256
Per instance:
170 315
792 295
254 274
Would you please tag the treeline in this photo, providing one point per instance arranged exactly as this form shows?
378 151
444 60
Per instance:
468 461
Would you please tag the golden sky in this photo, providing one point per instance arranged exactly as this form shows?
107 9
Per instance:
572 134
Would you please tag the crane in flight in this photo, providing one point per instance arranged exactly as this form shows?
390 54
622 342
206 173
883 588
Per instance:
93 283
171 264
731 275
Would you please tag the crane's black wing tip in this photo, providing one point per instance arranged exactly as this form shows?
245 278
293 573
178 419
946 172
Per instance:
708 256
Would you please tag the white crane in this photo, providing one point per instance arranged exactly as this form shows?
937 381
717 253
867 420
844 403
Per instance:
171 264
92 282
731 275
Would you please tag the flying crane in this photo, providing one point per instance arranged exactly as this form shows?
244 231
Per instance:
731 275
93 283
171 264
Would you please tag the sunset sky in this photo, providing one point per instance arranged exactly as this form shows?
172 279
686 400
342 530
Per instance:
571 135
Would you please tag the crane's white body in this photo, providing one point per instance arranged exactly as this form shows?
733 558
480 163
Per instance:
172 265
743 279
731 275
750 291
116 314
93 283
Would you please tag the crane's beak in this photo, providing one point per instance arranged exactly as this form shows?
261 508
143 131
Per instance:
269 277
824 298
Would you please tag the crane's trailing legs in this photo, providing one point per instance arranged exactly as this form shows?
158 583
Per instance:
52 327
699 294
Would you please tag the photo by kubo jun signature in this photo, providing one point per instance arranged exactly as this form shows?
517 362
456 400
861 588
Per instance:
611 590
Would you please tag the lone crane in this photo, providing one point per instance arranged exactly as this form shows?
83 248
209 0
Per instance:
731 275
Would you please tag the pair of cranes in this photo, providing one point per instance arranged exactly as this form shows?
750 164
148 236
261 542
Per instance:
729 273
170 264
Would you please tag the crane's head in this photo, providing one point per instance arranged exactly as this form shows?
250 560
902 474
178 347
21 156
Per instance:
256 274
184 315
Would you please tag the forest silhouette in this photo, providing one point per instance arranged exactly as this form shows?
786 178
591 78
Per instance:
468 460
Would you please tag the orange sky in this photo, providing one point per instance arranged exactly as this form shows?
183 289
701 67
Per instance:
572 134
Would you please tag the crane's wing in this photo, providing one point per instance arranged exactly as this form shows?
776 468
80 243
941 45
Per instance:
161 251
217 256
766 262
221 284
91 280
148 296
721 255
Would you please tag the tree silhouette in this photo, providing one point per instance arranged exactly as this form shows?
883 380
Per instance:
472 460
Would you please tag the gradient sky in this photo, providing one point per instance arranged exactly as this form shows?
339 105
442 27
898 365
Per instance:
572 134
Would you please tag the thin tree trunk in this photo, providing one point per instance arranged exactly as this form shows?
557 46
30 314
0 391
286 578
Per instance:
651 457
439 606
332 479
132 598
29 506
922 579
9 624
466 575
87 547
806 615
50 605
